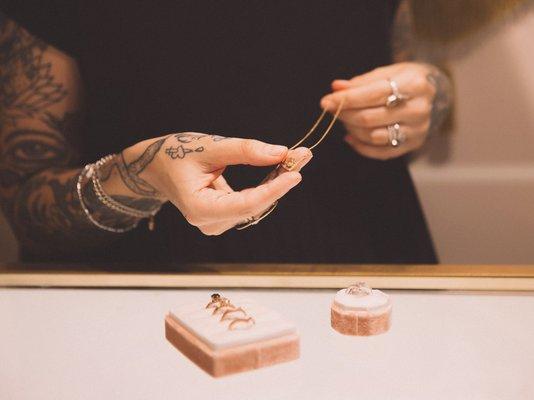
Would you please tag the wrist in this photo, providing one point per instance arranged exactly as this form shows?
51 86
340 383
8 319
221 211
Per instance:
140 171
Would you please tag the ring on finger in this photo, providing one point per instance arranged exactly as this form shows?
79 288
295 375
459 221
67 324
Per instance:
256 220
395 135
396 97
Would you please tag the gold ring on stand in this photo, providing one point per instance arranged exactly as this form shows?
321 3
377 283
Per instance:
227 314
238 320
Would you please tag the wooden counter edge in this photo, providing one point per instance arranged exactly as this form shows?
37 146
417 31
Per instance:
153 280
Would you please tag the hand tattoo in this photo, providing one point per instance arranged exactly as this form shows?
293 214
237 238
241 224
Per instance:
181 151
186 137
130 171
441 103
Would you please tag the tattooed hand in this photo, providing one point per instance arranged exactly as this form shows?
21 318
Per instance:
187 169
366 116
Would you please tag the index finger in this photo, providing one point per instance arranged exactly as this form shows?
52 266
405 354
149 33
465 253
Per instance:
373 94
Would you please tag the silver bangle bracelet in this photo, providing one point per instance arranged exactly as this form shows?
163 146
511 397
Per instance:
113 204
84 173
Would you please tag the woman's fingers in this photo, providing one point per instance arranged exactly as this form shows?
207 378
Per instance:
376 152
380 73
298 157
383 152
372 89
374 94
412 112
221 184
381 137
246 203
233 151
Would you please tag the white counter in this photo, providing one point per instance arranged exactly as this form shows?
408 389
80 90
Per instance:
110 344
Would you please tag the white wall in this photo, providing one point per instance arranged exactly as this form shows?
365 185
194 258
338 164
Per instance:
477 184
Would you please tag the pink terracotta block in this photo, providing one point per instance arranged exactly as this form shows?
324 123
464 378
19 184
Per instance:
231 360
360 323
361 311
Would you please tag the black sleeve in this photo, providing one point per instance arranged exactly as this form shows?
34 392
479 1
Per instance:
54 21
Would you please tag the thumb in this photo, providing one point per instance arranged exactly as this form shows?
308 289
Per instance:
235 151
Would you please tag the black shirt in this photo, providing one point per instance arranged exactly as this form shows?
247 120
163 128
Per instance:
244 68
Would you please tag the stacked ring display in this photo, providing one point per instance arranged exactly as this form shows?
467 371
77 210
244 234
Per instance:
222 304
223 338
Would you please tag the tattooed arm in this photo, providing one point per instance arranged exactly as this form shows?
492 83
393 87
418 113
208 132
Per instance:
369 123
40 122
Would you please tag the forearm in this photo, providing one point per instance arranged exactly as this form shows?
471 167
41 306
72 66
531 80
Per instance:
47 215
41 121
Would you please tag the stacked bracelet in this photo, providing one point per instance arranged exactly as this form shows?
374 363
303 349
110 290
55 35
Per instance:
79 186
90 171
113 204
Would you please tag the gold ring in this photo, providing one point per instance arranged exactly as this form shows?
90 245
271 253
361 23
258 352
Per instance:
237 320
222 304
228 312
289 164
255 220
215 298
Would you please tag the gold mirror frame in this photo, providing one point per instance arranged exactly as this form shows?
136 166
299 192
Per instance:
301 276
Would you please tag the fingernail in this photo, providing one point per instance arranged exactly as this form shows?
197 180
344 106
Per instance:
298 178
275 150
305 159
297 159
